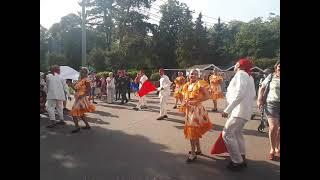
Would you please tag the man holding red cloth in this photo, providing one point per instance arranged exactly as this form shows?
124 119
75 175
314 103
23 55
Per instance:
145 87
240 97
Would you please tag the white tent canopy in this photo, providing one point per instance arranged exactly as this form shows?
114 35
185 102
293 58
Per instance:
67 72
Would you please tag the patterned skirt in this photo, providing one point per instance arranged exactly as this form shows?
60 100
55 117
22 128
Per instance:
178 92
216 92
197 122
81 106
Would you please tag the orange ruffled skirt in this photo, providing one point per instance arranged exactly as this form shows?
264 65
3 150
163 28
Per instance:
197 122
81 106
178 92
216 92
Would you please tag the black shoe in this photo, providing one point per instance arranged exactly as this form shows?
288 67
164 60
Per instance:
174 107
235 166
135 108
197 152
52 125
94 102
86 127
144 107
56 123
165 116
62 123
75 130
189 160
160 118
66 110
244 160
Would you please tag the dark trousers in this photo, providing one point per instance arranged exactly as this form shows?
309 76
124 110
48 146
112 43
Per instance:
129 92
117 94
123 93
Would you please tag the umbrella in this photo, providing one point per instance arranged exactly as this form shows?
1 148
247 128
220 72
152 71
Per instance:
67 72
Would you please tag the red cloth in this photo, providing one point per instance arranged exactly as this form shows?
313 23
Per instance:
219 147
246 65
147 87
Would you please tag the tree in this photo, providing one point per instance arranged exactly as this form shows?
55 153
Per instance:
217 44
200 48
259 39
119 36
233 28
44 36
97 59
100 15
174 34
56 59
70 22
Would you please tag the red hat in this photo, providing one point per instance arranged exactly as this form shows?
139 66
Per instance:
245 65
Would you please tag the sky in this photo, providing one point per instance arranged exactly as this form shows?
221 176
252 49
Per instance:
51 11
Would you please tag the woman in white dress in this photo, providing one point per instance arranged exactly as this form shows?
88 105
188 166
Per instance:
110 88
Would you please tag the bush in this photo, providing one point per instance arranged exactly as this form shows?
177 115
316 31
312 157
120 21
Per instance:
265 63
132 73
103 73
155 77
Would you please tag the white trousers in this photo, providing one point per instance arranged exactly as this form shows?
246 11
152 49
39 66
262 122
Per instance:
142 101
163 105
233 138
53 104
110 95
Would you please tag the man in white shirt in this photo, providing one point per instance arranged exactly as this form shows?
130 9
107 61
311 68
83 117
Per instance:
56 94
142 104
164 94
240 97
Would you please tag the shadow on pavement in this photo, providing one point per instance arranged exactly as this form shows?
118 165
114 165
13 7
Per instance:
153 102
96 121
113 106
103 113
248 132
176 113
101 153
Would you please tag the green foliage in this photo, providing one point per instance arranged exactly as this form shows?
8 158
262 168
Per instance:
57 59
132 73
43 48
120 37
155 77
103 73
115 59
97 59
264 63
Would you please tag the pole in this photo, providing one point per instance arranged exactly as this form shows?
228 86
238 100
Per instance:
83 27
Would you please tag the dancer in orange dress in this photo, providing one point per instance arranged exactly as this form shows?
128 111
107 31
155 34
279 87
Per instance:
82 104
197 121
215 88
179 82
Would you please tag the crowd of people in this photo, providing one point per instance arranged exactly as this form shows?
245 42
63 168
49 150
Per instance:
189 91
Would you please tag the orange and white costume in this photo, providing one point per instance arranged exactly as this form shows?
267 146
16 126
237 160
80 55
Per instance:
215 87
197 121
81 104
179 82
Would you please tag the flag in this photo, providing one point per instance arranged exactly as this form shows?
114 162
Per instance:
147 87
219 147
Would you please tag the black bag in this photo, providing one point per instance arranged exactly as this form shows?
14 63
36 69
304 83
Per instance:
263 121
